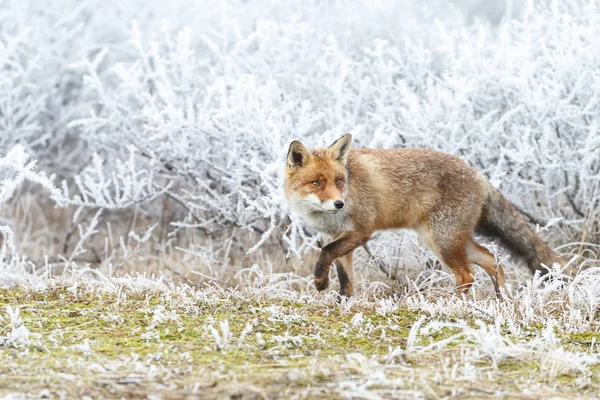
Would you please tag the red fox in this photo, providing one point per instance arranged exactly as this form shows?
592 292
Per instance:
347 194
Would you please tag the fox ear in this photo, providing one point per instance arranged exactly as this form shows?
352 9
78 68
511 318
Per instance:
297 155
340 149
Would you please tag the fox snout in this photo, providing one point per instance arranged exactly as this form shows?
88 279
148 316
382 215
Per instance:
334 204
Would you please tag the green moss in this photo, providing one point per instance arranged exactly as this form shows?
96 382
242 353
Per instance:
513 365
585 337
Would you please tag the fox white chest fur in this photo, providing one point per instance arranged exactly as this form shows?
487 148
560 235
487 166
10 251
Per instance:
330 223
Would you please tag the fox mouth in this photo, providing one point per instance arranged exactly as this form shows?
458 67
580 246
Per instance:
321 210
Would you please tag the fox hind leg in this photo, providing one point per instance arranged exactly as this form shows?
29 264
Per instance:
451 249
481 256
455 257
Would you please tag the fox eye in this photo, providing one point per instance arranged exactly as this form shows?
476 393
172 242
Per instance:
339 182
316 183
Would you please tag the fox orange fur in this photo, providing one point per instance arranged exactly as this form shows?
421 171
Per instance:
348 194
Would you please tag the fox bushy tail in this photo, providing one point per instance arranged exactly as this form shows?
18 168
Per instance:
500 219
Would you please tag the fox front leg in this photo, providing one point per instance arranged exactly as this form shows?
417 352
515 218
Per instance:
341 246
345 275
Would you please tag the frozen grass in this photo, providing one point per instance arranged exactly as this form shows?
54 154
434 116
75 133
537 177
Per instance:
146 338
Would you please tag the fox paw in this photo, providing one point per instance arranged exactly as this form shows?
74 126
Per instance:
347 292
322 283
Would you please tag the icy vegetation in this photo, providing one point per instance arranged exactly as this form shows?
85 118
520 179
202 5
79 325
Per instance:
141 159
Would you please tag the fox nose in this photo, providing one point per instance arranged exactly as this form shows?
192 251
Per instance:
339 204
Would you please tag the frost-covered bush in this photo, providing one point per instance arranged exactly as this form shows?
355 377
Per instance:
16 168
180 115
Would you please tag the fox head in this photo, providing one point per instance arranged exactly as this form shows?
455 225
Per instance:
317 181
